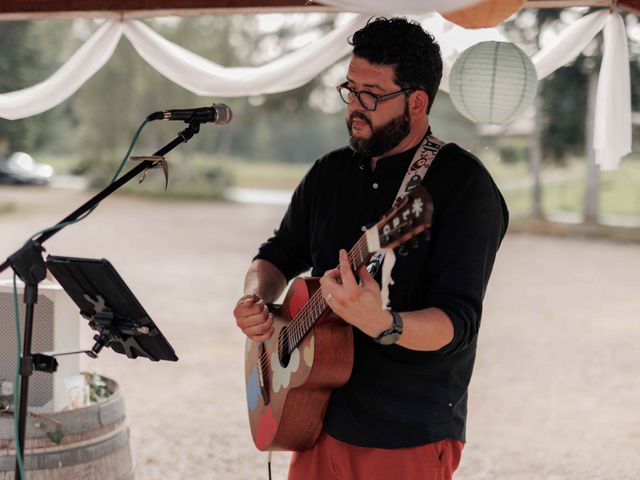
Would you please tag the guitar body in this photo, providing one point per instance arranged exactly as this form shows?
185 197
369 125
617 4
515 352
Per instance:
288 394
289 378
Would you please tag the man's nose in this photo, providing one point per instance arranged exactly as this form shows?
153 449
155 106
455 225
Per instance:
355 106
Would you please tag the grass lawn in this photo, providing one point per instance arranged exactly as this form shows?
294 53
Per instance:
563 187
250 174
619 191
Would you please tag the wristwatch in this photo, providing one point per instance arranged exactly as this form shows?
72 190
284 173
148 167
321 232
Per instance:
391 336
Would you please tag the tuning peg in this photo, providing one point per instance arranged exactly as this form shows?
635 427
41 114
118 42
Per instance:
415 242
403 251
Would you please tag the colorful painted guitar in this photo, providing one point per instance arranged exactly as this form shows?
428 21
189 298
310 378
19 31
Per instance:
289 378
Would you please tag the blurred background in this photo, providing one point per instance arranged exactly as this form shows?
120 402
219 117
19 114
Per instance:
274 138
555 388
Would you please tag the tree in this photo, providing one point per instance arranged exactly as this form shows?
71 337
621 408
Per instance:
35 51
528 29
563 122
16 72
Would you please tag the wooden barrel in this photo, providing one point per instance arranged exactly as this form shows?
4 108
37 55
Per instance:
90 443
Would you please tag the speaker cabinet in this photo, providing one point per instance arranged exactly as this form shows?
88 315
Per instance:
56 328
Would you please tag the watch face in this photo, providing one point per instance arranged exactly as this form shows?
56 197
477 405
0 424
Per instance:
389 339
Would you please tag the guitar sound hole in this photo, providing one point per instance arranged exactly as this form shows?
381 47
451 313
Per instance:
283 348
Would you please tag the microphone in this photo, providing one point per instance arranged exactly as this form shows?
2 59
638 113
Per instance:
218 114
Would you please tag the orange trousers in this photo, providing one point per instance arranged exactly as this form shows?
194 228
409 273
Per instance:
331 459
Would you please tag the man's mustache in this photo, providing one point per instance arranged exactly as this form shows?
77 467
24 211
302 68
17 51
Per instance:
360 116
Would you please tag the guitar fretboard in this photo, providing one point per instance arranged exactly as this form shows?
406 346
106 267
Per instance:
409 218
315 307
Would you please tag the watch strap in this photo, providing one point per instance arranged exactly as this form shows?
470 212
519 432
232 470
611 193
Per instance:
391 335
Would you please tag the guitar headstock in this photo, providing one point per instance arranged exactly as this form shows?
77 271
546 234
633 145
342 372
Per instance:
410 218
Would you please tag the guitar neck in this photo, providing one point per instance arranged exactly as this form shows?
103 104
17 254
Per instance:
407 219
308 315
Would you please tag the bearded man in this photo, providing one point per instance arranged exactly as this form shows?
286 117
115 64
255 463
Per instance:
402 413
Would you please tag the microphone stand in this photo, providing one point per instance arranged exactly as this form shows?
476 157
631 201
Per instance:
28 264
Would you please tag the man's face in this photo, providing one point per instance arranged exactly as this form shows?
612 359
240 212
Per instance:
374 133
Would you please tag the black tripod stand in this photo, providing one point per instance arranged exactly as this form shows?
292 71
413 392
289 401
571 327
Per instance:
29 265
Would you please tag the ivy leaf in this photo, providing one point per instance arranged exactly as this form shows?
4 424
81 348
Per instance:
56 437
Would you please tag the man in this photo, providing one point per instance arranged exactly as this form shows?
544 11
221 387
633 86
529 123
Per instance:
402 413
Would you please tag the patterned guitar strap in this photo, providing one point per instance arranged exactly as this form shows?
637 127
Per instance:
416 172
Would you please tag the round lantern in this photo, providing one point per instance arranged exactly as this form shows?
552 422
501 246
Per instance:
486 14
492 82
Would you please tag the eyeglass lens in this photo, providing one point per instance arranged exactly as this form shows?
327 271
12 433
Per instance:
368 100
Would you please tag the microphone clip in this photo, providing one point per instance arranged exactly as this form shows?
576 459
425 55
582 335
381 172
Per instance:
158 162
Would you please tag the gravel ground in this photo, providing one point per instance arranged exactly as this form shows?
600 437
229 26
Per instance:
555 389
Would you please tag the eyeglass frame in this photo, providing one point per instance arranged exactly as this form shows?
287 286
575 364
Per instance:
377 98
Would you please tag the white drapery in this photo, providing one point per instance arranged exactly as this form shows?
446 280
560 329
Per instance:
204 77
89 58
612 129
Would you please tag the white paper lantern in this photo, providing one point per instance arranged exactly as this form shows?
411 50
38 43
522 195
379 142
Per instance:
493 82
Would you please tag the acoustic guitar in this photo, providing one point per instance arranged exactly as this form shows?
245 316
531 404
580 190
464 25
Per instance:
289 378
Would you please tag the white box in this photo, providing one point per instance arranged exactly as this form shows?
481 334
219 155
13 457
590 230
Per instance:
56 328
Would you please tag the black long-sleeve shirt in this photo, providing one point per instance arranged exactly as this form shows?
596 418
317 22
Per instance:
398 397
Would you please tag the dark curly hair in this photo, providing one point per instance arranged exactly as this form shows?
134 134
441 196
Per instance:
405 45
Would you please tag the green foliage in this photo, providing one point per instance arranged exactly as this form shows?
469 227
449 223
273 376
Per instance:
98 388
6 401
564 188
449 124
634 71
110 106
94 127
188 178
247 173
565 110
17 68
31 52
97 124
564 92
513 154
103 108
56 436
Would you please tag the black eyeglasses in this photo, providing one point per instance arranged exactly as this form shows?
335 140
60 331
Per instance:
368 100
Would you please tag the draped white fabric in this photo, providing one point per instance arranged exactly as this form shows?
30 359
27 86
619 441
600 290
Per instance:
204 77
290 71
612 138
569 43
399 7
89 58
612 129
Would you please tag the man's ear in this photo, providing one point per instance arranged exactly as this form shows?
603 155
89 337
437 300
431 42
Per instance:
418 104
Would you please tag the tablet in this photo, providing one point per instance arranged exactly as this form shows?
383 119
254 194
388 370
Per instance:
110 307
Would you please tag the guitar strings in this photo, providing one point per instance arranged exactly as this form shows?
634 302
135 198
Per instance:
308 315
302 322
316 305
300 325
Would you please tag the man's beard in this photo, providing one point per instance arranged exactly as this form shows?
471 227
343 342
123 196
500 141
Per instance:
383 138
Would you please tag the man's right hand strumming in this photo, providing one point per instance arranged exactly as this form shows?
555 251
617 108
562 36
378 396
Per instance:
253 318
